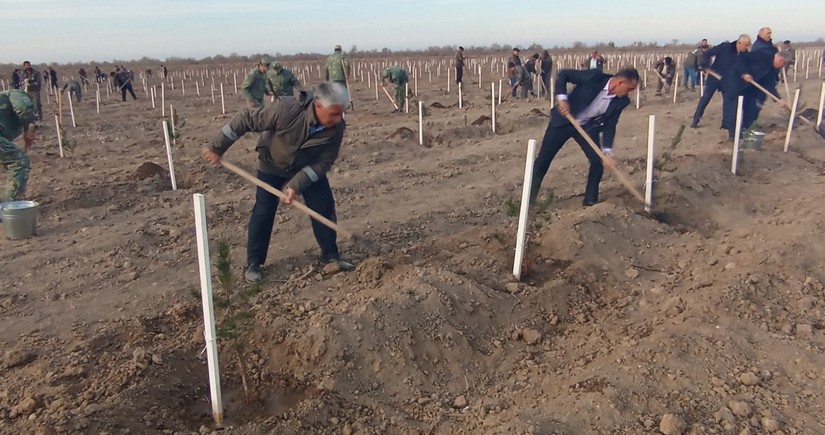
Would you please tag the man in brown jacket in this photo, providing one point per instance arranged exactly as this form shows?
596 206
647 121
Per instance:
299 144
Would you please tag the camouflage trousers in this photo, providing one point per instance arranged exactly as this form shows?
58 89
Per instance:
35 96
400 95
17 165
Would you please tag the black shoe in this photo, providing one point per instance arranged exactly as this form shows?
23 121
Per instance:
589 203
694 124
342 264
253 274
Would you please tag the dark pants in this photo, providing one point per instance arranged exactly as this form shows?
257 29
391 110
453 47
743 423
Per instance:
545 78
554 139
751 106
459 73
127 87
317 196
711 86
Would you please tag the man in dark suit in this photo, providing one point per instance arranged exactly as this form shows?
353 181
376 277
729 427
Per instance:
595 103
756 66
725 54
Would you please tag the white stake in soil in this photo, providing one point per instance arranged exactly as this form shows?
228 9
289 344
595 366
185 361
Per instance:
162 99
59 136
71 108
493 104
790 121
737 133
651 128
821 104
460 97
223 104
169 154
521 236
420 122
204 267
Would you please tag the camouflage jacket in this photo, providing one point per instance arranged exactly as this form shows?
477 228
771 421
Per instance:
31 80
337 68
17 111
395 75
254 86
281 81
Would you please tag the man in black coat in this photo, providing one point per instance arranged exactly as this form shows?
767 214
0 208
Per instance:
725 55
595 103
756 66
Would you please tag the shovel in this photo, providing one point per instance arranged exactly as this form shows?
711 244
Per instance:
299 205
783 103
390 97
619 175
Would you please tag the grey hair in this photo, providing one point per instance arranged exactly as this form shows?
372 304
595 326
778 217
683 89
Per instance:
744 37
331 94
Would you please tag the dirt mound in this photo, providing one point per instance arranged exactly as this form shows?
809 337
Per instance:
148 170
437 105
402 133
482 120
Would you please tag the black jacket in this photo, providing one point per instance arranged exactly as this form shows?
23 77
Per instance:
589 83
726 56
759 64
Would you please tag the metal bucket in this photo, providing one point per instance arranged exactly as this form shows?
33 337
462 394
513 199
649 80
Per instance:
753 140
19 218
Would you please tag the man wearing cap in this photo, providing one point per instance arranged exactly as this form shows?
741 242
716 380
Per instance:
254 85
280 81
337 68
397 76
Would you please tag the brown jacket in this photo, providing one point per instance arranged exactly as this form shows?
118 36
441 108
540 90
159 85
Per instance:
286 148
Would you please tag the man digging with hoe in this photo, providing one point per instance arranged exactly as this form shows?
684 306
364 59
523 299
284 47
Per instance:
299 144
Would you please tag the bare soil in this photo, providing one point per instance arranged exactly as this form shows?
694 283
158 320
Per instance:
707 318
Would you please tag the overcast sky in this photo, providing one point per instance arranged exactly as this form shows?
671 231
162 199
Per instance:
84 30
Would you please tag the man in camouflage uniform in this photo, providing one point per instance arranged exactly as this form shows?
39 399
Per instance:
31 84
397 76
17 114
280 81
254 85
337 68
74 88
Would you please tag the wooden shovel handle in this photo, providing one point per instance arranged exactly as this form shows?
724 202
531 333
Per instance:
616 171
390 97
778 100
299 205
29 131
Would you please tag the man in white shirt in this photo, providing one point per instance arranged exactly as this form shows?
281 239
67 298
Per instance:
595 103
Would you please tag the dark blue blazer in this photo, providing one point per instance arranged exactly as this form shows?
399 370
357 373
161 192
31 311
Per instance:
589 83
759 64
726 56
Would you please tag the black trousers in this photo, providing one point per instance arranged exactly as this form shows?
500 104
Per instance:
127 87
317 196
554 140
711 86
459 73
